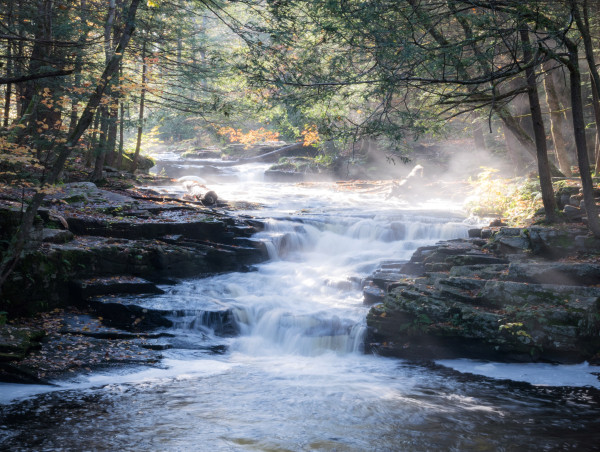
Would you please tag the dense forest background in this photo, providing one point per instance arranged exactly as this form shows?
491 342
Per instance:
87 84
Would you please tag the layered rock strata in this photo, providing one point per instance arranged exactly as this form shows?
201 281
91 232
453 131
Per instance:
499 300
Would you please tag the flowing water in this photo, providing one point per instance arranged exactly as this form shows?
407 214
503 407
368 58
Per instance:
294 376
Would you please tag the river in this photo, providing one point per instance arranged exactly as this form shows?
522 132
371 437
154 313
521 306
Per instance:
296 378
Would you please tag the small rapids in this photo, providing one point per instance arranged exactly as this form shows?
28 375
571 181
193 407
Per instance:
273 359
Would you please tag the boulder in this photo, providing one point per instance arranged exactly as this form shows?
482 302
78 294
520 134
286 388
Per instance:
510 241
573 213
553 242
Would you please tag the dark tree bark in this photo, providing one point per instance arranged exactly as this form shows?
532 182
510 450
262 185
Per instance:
78 65
102 146
583 24
8 93
93 145
121 125
524 139
538 131
580 138
30 77
596 104
140 130
557 121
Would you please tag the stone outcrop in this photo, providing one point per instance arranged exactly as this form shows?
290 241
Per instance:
497 300
121 234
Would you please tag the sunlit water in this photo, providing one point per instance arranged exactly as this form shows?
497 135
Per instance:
294 376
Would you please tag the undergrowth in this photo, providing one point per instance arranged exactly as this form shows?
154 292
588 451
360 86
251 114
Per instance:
514 199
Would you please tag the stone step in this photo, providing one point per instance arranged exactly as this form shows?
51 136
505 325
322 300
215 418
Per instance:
91 287
466 290
565 273
501 293
373 294
220 320
86 325
483 271
125 313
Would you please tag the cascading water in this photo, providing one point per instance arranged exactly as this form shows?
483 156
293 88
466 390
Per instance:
272 359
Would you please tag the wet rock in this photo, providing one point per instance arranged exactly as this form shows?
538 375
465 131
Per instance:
219 320
373 294
475 233
474 259
56 236
113 285
86 325
123 313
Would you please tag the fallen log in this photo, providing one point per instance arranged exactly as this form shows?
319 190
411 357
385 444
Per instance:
200 192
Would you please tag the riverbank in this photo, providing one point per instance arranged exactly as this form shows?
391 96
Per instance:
91 246
523 295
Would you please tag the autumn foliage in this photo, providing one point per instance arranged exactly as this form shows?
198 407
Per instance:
250 137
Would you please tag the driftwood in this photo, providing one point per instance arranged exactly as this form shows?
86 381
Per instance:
399 188
200 192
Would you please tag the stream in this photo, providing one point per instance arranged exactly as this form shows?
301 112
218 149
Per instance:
296 377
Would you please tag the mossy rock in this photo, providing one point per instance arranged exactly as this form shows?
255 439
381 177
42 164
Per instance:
17 342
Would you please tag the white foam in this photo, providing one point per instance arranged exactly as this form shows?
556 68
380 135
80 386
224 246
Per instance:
171 369
537 374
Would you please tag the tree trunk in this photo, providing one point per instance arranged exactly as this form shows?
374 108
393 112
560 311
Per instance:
40 52
121 135
478 137
111 139
140 130
13 253
583 25
596 104
580 139
78 65
93 145
121 124
557 121
9 65
538 131
102 145
523 137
